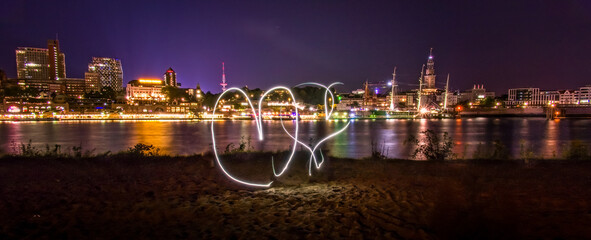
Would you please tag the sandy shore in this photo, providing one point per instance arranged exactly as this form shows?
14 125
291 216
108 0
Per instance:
184 197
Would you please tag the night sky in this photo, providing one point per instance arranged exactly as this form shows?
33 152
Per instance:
543 44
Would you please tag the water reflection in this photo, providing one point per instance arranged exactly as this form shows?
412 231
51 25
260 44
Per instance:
547 138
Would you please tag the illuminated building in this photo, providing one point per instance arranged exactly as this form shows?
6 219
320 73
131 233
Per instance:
198 92
584 95
110 73
475 94
351 102
41 63
45 86
567 97
578 97
33 107
429 80
145 90
92 82
531 97
31 63
170 77
56 60
75 87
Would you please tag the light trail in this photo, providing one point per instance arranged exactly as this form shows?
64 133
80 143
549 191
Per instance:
258 119
215 152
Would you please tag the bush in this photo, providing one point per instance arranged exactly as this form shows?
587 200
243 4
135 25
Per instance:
576 150
141 149
498 151
431 147
526 151
378 151
243 146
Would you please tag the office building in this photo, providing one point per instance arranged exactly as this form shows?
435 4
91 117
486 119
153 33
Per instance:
56 60
531 97
92 82
41 63
109 71
74 87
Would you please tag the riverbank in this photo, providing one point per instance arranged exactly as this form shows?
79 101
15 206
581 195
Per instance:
132 196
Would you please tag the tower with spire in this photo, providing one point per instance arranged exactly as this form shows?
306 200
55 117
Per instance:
170 77
223 84
429 80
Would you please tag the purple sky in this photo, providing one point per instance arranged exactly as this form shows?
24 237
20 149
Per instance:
500 44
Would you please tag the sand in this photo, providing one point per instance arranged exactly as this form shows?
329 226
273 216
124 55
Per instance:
184 197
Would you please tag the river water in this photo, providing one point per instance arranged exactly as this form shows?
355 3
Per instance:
545 137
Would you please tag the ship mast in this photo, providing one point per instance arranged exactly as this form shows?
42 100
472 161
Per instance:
446 92
392 92
420 88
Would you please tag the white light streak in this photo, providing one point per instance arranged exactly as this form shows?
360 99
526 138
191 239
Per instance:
258 116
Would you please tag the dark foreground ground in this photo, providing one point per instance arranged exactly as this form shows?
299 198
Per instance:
184 197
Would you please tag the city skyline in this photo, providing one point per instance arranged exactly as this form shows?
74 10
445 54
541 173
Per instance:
499 45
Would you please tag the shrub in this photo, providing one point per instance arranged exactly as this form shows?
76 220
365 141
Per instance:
378 151
576 150
141 149
500 151
526 151
243 146
496 151
432 147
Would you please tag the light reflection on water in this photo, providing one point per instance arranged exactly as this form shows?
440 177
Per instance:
546 137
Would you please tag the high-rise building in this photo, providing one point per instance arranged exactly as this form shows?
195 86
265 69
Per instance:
92 82
56 60
74 87
41 63
170 77
430 72
31 63
110 73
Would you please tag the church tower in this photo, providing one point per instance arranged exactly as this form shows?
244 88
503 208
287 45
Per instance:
430 72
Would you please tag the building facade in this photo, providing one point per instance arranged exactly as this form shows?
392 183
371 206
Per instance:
584 95
56 60
109 71
475 94
41 63
145 91
170 77
75 87
429 82
92 82
531 97
31 63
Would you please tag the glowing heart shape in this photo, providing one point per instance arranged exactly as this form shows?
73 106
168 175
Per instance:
258 119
